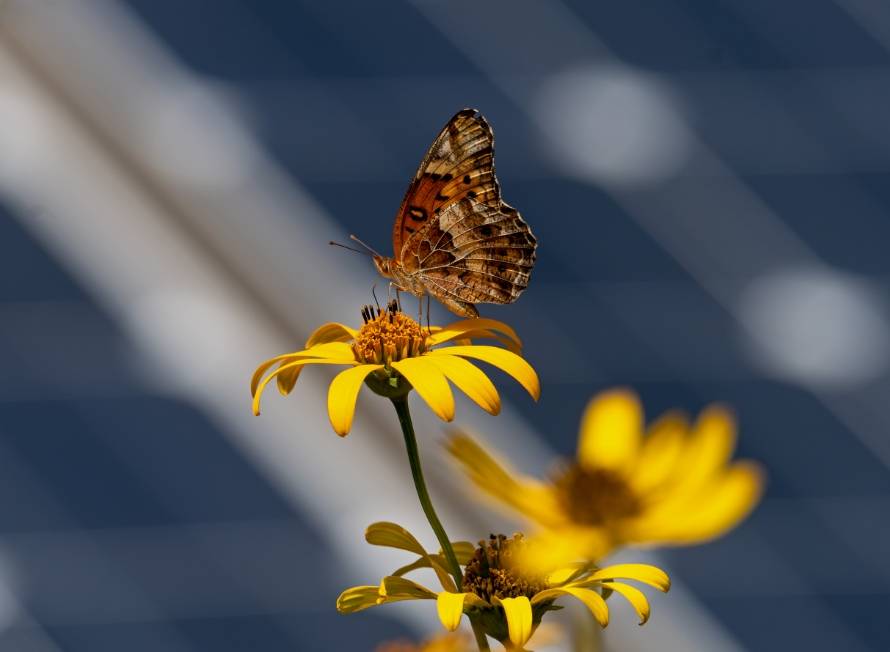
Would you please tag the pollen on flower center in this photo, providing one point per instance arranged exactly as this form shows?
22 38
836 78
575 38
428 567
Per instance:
494 570
387 336
595 497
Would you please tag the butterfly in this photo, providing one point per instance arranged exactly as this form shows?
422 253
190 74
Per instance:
454 238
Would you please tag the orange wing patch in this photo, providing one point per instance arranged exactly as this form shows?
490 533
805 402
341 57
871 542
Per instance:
460 163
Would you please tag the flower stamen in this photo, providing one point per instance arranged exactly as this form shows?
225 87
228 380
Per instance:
495 570
388 336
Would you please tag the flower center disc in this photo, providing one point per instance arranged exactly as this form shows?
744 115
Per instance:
494 570
387 336
595 497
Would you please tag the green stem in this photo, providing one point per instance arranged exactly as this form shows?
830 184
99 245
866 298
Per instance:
401 405
481 641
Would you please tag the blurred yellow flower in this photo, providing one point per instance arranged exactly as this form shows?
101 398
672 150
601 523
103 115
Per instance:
496 590
392 353
455 642
674 486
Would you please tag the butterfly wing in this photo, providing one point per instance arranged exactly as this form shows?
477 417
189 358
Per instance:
474 253
453 232
459 163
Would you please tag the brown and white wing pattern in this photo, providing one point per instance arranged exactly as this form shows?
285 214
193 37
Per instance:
453 233
474 253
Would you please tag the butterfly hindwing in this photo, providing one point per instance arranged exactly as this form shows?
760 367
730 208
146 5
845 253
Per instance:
474 253
453 236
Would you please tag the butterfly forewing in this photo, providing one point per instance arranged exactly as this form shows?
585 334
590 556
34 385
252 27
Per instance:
453 233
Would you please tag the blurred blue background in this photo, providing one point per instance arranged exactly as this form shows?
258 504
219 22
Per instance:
709 182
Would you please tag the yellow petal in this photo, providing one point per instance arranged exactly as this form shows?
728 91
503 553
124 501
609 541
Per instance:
462 329
450 607
720 505
430 383
506 361
591 599
633 595
287 367
268 364
469 379
709 449
357 598
463 550
645 573
331 333
519 619
286 380
394 588
337 351
470 336
660 452
611 430
530 497
343 393
393 535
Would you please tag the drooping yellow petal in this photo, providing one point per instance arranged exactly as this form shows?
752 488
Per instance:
591 599
463 550
611 430
633 595
332 332
430 383
287 380
451 608
343 393
530 497
338 351
469 379
394 588
287 367
506 361
645 573
660 452
462 329
393 535
268 364
519 619
357 598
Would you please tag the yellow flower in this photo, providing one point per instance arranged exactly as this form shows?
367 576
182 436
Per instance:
674 486
392 353
442 643
496 590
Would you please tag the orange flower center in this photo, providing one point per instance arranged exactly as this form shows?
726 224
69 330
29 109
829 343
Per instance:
387 336
494 570
595 497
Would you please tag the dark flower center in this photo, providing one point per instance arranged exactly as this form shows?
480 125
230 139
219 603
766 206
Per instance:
494 570
595 497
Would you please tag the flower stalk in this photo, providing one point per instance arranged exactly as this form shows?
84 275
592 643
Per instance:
404 414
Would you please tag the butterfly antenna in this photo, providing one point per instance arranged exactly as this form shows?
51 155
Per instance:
369 248
337 244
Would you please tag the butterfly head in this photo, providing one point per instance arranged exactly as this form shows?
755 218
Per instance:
384 266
